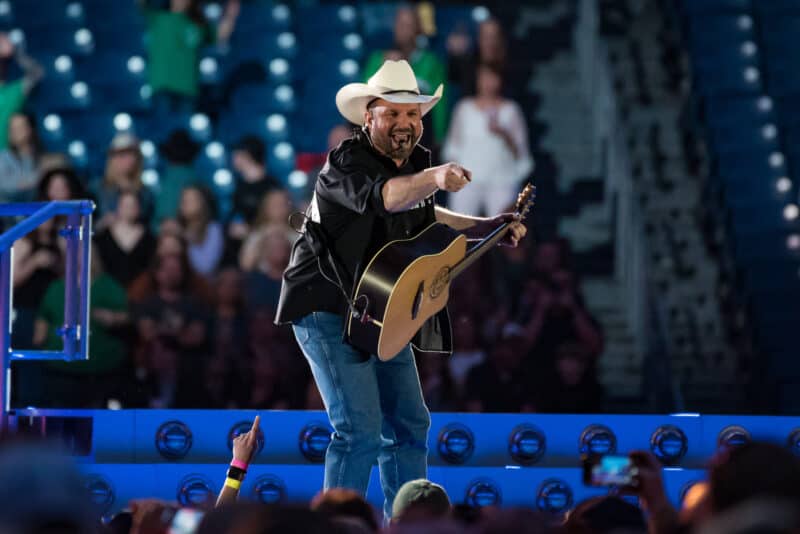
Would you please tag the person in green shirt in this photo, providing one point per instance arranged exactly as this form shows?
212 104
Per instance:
175 37
92 382
430 70
14 93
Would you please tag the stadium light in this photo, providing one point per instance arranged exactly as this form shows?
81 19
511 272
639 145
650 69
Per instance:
297 179
783 185
173 440
269 489
313 441
194 491
483 492
669 444
455 443
526 444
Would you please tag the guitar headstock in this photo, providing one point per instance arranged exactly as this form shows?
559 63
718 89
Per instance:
525 200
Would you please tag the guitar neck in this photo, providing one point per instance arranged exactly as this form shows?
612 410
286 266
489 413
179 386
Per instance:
478 250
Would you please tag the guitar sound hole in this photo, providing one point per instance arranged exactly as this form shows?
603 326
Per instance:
440 282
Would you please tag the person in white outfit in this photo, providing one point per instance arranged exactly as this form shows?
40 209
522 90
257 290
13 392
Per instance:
488 135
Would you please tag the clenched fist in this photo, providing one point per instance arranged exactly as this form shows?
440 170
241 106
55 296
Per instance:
450 177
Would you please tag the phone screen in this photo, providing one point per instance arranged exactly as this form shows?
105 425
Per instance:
608 470
185 521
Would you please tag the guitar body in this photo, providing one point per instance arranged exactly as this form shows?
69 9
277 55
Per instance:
406 283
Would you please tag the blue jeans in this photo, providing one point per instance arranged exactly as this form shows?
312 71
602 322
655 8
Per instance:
376 409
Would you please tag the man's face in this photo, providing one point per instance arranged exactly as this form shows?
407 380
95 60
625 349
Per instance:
395 129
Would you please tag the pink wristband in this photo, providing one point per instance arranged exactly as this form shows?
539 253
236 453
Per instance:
240 464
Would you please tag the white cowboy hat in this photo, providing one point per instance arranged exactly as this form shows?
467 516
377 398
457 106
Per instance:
394 82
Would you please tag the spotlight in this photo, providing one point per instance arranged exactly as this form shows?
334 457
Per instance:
749 48
765 103
150 177
286 40
122 122
751 74
283 150
279 67
280 12
733 436
223 177
173 440
208 66
554 496
194 491
284 94
598 439
669 444
243 427
199 122
776 159
347 13
745 22
79 90
136 64
348 68
276 123
769 131
793 441
52 122
297 179
313 441
352 42
783 184
790 212
77 149
456 443
793 242
269 489
483 492
101 493
480 14
526 444
74 10
215 150
63 64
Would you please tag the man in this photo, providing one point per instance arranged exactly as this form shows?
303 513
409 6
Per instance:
376 187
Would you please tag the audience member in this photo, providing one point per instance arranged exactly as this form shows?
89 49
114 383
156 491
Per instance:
170 242
273 212
253 182
556 314
123 173
438 387
42 491
605 515
420 500
14 93
126 246
203 234
278 378
229 334
342 502
175 37
501 384
173 336
263 281
19 162
467 352
179 152
427 66
573 388
488 136
463 60
87 383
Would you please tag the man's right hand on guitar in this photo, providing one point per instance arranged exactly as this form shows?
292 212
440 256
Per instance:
450 177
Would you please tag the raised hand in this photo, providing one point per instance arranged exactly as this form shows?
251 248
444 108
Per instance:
245 445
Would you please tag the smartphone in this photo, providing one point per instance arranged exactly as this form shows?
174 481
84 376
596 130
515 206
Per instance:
608 470
185 521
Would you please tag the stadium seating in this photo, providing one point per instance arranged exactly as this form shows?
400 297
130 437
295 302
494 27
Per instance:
746 82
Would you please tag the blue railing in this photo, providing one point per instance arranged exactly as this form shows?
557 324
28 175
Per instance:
75 331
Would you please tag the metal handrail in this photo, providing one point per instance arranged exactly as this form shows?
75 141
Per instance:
75 330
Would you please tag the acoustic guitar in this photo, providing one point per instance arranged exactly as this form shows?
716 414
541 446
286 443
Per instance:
408 281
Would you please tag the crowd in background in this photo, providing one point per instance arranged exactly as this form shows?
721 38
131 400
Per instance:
749 488
184 293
